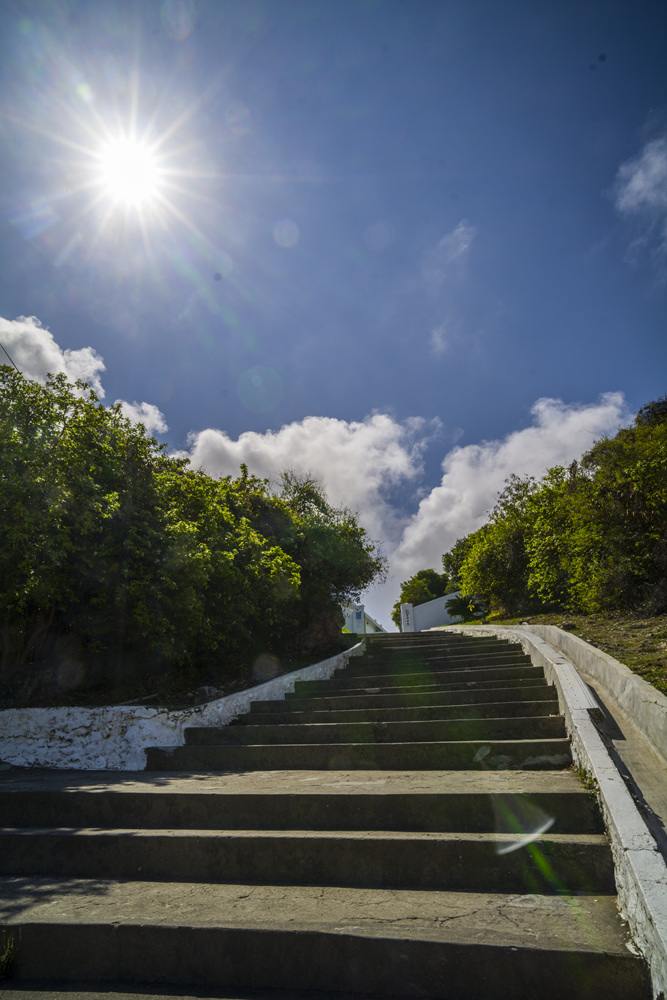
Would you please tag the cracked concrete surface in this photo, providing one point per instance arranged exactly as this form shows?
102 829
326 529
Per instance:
569 923
352 933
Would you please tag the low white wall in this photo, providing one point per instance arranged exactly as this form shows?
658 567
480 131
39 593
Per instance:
640 869
115 738
419 617
640 701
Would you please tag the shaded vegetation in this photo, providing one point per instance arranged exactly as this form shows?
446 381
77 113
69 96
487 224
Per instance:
121 566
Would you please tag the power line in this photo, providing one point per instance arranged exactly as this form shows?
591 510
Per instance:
8 355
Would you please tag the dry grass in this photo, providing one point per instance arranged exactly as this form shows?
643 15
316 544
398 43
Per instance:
640 643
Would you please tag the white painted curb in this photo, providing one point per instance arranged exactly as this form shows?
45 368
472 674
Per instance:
115 738
641 871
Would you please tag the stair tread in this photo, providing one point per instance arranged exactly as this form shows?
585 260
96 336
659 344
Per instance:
233 859
301 781
136 833
526 921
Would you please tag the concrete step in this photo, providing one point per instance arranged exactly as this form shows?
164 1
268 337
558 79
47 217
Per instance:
499 672
467 694
51 989
447 679
473 862
458 861
430 657
488 710
364 664
424 731
437 801
459 755
383 941
445 646
377 697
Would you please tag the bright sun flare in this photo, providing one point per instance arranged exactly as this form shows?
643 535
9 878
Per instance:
130 172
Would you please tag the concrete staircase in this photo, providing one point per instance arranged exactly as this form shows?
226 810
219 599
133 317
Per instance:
409 828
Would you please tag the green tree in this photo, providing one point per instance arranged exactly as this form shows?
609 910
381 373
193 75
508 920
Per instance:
337 559
148 564
426 585
81 543
453 560
495 567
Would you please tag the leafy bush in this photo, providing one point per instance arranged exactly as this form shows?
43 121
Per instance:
465 607
125 561
587 538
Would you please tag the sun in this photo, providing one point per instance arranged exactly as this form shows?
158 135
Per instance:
129 172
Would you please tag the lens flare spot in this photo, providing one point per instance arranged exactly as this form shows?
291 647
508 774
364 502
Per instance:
238 118
178 19
265 667
286 233
260 389
69 674
519 822
225 267
85 92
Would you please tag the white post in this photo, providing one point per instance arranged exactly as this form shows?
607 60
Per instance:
407 620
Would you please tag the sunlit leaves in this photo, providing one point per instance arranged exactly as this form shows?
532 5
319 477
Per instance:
148 562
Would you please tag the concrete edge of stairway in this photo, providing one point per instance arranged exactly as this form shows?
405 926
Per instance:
640 868
115 737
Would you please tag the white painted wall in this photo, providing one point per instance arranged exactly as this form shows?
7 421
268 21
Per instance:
416 618
116 737
358 621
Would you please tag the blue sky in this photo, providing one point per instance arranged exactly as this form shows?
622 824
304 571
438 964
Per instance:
408 247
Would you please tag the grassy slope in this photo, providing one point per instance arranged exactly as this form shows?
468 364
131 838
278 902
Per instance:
640 643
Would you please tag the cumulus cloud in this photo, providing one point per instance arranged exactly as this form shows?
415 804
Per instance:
474 474
445 260
640 193
358 462
146 414
35 353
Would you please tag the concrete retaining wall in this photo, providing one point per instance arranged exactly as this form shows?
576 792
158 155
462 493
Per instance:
640 701
643 704
115 737
640 869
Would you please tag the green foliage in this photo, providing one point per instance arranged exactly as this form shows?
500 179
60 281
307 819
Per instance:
144 563
587 538
424 586
9 944
654 412
495 565
453 560
465 607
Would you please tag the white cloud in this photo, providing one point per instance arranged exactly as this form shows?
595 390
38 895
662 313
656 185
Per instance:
356 461
443 335
641 193
445 260
642 182
146 414
35 353
359 463
474 474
